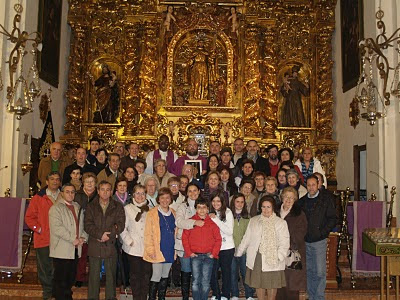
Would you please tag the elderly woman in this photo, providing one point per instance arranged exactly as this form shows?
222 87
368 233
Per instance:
291 212
121 191
83 197
160 172
286 156
159 243
293 180
271 188
309 164
151 185
266 243
133 243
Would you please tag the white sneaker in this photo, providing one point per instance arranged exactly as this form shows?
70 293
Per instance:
250 298
234 298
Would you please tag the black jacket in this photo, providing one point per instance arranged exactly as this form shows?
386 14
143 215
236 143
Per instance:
86 169
321 217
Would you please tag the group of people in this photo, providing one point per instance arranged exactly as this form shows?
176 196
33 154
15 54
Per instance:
149 220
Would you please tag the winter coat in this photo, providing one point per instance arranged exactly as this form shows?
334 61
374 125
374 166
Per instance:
133 234
96 223
205 239
252 239
37 218
63 230
183 220
296 220
152 237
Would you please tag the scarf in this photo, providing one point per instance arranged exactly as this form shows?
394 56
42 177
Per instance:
238 214
123 198
309 171
143 208
268 246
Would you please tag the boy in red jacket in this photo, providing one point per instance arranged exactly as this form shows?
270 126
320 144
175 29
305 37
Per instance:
202 244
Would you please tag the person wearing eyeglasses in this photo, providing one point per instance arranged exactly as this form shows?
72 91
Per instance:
66 240
133 243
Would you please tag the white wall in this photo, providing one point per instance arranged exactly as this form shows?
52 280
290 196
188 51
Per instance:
382 149
12 150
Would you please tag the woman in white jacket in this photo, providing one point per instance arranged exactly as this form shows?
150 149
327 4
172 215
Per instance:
133 243
223 217
309 165
183 220
266 243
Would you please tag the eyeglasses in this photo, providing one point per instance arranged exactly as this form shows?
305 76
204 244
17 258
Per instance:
140 193
173 185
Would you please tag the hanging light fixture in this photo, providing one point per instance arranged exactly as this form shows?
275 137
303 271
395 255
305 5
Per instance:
374 61
20 96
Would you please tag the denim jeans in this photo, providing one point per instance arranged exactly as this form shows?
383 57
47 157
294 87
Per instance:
185 264
202 266
225 262
316 269
239 265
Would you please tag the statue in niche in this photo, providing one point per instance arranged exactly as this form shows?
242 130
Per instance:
168 18
292 90
235 23
107 96
199 72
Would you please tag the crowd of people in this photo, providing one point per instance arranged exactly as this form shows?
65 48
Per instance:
151 222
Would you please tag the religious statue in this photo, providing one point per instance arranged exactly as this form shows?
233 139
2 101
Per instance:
168 18
203 72
107 96
292 90
235 23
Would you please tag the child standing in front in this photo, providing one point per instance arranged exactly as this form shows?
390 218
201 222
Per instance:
202 245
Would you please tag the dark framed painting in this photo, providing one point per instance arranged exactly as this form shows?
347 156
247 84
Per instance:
352 29
49 26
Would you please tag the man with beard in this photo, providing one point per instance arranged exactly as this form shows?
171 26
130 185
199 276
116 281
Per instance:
260 163
192 153
272 151
161 153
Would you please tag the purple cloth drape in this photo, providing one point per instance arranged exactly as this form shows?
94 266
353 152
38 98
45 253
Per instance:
11 225
366 215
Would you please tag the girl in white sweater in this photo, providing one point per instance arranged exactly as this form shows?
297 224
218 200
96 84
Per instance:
223 217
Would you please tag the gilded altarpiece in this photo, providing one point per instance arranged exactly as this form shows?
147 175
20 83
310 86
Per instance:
225 69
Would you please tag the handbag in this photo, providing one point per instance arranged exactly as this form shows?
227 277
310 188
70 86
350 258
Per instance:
293 260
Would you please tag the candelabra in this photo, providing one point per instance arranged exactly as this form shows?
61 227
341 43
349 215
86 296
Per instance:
374 61
20 96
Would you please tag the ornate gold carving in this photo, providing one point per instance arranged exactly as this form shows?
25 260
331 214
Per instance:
148 81
252 92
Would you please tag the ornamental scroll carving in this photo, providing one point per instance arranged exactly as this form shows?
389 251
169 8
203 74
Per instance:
242 50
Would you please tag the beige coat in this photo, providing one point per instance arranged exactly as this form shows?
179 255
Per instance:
133 235
252 239
63 230
164 181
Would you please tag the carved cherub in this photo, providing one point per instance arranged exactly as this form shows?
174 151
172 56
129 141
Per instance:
167 22
234 18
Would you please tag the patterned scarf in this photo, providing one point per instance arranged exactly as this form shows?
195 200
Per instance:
309 171
268 246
